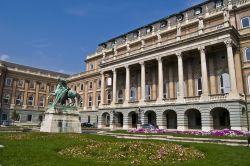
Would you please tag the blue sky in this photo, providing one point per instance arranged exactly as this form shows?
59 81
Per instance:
58 34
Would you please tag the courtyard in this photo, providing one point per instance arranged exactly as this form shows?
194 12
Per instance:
31 148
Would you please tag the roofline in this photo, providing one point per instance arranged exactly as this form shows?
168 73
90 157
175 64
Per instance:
162 19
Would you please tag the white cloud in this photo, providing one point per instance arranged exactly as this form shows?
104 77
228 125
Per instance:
4 57
61 71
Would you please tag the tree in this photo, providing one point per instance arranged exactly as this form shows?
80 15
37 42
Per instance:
14 116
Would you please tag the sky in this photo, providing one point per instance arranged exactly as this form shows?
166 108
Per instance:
57 35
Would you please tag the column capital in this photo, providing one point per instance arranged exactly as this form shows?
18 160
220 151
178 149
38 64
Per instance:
202 49
159 59
179 55
114 70
228 42
142 63
127 67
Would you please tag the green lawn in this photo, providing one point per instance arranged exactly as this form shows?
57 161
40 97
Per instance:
28 149
183 135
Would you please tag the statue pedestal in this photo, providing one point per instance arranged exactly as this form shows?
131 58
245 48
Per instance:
61 121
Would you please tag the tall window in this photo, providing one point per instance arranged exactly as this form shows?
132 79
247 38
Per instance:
245 22
42 86
120 96
91 66
29 118
98 99
6 98
248 83
81 87
32 85
4 117
247 53
90 85
199 87
19 99
109 98
41 101
148 92
99 83
224 83
133 94
30 100
90 100
165 90
8 81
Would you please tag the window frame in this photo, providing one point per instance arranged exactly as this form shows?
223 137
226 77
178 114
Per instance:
28 102
248 84
10 81
18 83
43 101
222 82
247 60
6 98
30 83
241 22
199 90
133 90
19 99
90 100
31 116
218 3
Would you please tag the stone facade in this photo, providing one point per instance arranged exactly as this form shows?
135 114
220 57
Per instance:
186 71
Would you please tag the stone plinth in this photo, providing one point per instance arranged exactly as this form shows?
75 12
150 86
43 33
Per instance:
61 121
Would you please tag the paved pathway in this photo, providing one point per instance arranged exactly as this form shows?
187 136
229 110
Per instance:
231 142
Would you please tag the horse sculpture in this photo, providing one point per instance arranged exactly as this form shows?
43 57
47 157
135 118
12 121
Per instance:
63 93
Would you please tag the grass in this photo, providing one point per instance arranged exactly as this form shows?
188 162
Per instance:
37 149
183 135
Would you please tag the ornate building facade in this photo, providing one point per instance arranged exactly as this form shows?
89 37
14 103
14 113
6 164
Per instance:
189 70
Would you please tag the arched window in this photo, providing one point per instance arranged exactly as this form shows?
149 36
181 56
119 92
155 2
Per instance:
224 83
41 101
6 99
133 94
247 54
148 92
120 96
245 22
198 87
30 100
90 100
109 98
19 99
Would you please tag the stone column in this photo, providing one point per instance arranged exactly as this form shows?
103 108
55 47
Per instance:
160 80
143 81
37 94
190 79
125 121
13 95
213 85
102 89
231 68
114 86
204 73
94 95
47 94
201 25
86 97
171 82
180 96
127 89
26 87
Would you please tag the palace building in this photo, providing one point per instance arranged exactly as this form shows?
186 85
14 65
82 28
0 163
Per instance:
189 70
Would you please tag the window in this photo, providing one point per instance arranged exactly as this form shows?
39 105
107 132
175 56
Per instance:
4 117
90 100
81 87
88 119
224 83
32 85
8 81
29 118
17 117
20 83
149 29
99 83
30 100
163 24
136 34
109 98
179 17
133 94
198 11
90 85
120 96
98 99
41 101
245 22
248 83
40 118
75 88
42 86
148 92
247 54
218 3
109 81
91 66
19 99
6 98
165 90
199 87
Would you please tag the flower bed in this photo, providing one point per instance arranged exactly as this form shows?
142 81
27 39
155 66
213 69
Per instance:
216 133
